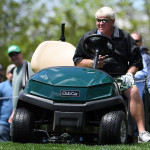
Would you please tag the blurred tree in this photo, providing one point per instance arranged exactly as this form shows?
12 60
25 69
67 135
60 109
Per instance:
27 23
79 16
147 23
22 23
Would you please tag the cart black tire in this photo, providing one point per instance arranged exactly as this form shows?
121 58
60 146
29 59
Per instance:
22 126
113 128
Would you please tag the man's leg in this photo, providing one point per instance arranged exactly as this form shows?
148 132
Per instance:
136 107
137 111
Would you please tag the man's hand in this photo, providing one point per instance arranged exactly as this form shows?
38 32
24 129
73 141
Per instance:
100 62
128 79
11 116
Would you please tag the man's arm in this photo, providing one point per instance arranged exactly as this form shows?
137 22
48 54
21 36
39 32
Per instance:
132 69
85 63
90 62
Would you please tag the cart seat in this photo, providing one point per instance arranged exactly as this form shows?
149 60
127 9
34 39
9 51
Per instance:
52 53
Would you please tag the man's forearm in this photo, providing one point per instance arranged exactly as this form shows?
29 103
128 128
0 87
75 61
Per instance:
85 63
133 70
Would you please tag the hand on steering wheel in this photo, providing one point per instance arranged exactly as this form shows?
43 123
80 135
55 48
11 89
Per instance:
101 61
98 42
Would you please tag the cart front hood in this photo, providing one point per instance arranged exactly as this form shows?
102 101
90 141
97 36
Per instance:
71 83
72 76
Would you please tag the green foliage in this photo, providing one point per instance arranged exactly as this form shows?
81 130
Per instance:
23 25
27 23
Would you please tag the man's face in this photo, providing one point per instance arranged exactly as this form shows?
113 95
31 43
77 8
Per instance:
16 58
104 25
137 39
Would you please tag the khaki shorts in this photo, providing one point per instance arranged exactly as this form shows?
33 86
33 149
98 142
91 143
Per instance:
121 85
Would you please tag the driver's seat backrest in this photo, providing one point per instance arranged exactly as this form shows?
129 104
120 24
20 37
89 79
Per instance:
52 53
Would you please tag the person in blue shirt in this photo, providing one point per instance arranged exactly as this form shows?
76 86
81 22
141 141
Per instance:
145 49
148 66
148 82
6 104
140 76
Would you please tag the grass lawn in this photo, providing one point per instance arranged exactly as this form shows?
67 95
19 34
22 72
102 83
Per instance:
18 146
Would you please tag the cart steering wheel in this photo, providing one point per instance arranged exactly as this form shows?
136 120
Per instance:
97 44
97 41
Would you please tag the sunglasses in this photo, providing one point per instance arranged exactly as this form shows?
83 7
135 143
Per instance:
105 20
137 41
13 54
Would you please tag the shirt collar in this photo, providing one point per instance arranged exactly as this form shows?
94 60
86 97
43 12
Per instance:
115 34
142 51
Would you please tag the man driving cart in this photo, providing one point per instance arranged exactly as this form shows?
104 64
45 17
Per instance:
124 63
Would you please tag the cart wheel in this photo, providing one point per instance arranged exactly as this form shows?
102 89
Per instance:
113 128
22 126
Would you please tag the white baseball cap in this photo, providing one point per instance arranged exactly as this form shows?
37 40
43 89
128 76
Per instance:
10 68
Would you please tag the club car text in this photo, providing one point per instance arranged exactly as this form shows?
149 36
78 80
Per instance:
70 93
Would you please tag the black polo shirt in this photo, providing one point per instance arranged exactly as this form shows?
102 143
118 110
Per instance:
126 54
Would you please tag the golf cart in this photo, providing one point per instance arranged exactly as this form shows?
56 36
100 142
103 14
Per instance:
65 103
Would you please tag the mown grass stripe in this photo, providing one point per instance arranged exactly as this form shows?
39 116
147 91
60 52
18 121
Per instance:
18 146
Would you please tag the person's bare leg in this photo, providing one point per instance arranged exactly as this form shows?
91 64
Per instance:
136 107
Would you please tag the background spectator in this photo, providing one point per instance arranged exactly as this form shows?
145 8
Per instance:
6 104
145 49
140 76
16 57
